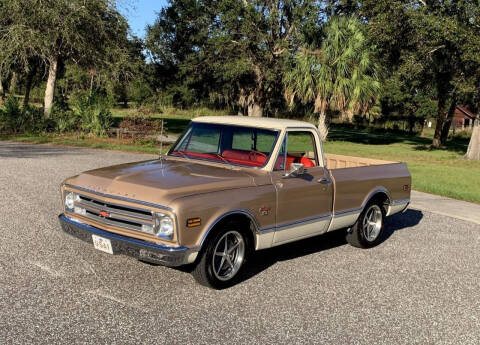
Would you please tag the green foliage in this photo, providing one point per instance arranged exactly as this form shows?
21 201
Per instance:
341 76
77 29
11 118
15 119
228 52
140 92
64 120
93 112
441 57
33 120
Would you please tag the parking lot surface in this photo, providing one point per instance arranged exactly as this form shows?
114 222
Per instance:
419 286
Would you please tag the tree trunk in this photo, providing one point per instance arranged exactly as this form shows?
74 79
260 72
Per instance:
255 110
13 84
28 84
323 125
437 137
473 151
448 121
2 90
50 90
256 107
91 83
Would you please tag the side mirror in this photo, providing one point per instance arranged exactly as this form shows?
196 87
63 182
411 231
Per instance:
296 169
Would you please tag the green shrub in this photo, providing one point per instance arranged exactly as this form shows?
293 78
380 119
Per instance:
33 120
16 119
64 119
11 118
93 112
140 93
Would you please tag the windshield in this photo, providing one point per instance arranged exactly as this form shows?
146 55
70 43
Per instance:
246 146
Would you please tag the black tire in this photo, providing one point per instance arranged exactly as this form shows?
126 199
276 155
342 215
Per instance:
358 234
207 272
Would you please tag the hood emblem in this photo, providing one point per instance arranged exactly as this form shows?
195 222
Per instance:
112 192
104 214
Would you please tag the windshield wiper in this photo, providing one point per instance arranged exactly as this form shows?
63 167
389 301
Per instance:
223 159
182 154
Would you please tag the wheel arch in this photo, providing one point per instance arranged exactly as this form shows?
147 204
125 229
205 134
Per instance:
242 216
378 193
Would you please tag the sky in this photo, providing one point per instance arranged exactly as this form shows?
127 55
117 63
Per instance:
139 13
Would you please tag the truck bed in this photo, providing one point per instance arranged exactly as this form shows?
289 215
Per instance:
340 162
356 179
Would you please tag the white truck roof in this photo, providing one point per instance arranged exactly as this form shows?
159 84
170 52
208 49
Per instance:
262 122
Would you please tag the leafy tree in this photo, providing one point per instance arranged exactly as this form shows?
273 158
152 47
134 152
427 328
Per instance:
342 75
228 49
58 31
437 41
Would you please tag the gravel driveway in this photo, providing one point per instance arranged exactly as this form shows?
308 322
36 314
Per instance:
419 286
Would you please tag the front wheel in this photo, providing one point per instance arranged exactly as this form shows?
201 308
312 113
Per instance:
222 261
366 232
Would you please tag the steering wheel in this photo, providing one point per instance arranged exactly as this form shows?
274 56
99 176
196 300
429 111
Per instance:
252 155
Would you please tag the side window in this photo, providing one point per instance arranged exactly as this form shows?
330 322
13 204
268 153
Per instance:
300 149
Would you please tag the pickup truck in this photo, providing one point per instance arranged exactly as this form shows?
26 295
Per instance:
229 186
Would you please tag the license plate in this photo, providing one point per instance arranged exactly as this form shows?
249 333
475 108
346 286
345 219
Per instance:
102 244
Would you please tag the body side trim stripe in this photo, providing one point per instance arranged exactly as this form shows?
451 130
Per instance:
355 210
347 212
300 222
398 202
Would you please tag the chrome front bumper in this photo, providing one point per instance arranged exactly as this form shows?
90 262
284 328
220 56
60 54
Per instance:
146 251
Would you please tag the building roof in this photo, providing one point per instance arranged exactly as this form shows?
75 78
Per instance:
263 122
466 111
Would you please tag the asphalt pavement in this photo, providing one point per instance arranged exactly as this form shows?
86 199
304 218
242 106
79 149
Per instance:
419 286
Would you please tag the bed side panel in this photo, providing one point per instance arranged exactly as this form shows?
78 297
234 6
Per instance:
354 185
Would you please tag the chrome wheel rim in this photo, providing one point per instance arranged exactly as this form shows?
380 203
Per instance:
372 223
228 255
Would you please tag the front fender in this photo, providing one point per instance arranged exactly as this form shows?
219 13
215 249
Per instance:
215 206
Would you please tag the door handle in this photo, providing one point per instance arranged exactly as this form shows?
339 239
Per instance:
324 180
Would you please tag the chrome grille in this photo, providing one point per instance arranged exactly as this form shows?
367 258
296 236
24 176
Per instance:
122 216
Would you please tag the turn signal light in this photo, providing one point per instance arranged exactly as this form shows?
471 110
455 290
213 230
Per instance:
192 222
406 187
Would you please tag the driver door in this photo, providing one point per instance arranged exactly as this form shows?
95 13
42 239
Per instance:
304 202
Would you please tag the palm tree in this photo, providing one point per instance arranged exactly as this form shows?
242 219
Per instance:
342 75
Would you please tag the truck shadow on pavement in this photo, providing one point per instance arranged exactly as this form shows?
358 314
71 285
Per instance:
20 150
263 259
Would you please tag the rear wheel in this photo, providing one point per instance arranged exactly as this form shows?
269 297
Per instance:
366 232
223 259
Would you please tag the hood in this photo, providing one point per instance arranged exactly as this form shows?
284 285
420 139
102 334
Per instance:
161 181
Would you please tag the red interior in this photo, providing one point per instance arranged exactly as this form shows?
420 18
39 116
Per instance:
249 158
307 162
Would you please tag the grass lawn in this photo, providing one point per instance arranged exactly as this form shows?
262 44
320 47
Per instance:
442 172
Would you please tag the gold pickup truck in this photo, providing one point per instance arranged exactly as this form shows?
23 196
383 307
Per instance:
231 185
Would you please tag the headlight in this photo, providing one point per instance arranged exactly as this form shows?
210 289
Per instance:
164 225
70 199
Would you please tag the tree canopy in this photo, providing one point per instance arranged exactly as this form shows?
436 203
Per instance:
90 33
390 60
